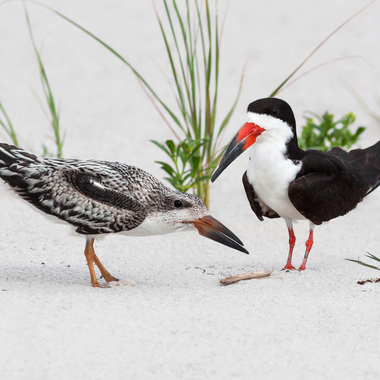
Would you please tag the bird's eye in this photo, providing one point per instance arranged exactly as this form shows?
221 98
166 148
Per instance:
275 111
177 203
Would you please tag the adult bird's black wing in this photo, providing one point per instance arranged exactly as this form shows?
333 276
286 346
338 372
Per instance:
257 206
330 184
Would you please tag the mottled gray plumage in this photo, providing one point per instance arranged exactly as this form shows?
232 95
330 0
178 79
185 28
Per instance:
97 197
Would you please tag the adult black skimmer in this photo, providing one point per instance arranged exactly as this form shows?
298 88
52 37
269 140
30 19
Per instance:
285 181
99 197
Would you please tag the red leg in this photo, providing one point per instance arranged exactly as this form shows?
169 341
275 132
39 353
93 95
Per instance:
292 243
309 244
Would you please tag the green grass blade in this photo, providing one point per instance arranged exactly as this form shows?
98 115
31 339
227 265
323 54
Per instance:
195 32
179 55
208 69
113 51
369 255
205 64
174 71
231 111
46 88
364 264
373 257
192 69
161 146
217 58
149 96
317 67
191 91
201 32
8 128
317 48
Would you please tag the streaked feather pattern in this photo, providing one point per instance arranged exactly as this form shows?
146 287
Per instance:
95 196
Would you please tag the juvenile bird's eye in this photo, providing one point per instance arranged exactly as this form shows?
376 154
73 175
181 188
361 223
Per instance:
178 203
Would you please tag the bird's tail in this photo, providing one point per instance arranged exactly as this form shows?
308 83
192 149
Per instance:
12 155
17 166
374 153
374 159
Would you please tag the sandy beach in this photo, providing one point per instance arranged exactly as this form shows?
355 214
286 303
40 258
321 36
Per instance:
169 317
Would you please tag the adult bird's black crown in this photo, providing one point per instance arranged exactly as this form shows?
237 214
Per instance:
100 197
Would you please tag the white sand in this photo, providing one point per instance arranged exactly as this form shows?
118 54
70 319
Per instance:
169 318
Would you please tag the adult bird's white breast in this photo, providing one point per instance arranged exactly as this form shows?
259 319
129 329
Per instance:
269 170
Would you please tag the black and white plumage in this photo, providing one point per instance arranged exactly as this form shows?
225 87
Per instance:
100 197
285 181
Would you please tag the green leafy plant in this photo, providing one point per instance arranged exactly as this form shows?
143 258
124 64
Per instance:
369 255
326 133
185 157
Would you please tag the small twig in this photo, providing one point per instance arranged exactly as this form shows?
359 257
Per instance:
245 276
366 281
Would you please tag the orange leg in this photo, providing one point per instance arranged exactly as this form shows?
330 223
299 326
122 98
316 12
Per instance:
91 259
105 274
89 253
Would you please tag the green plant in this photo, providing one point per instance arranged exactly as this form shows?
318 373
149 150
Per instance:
327 133
8 126
194 64
367 265
195 68
285 83
185 157
54 113
196 77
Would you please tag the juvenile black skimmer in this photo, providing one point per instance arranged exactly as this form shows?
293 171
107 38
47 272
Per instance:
285 181
99 197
